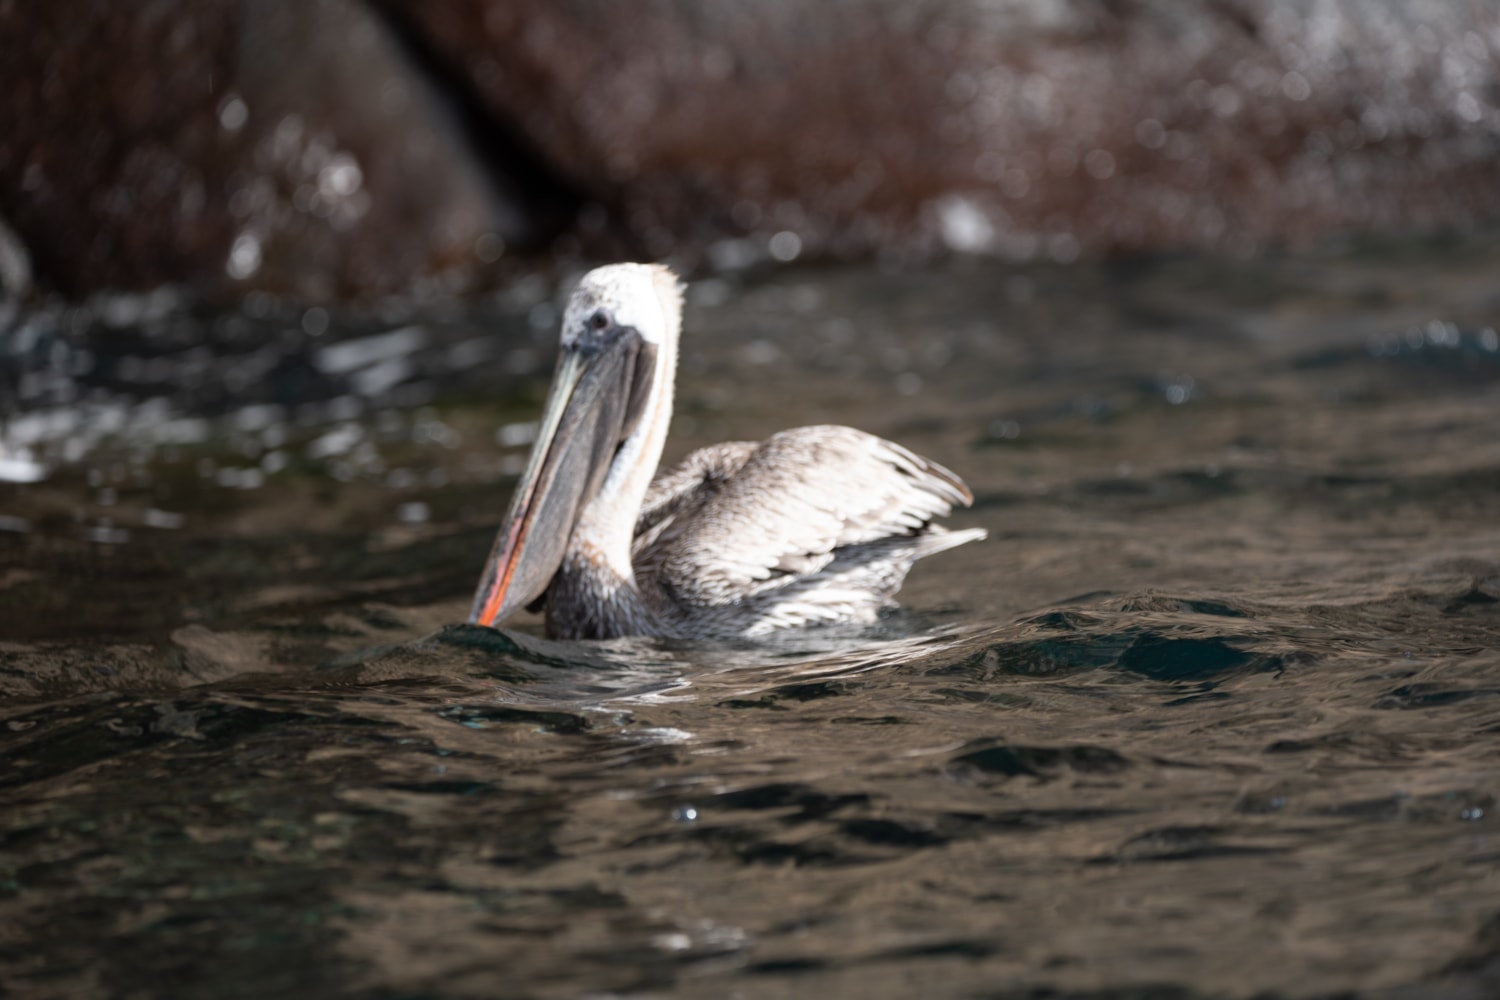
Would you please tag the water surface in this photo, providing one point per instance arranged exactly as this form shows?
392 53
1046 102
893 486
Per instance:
1214 712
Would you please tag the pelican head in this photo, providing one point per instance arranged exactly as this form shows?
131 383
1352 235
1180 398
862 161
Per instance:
645 298
601 432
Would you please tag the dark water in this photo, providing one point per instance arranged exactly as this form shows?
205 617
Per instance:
1215 712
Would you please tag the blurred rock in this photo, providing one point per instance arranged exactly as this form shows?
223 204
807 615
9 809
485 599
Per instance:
352 147
227 145
1024 128
15 265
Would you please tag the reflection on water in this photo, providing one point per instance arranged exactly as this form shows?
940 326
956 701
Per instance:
1214 713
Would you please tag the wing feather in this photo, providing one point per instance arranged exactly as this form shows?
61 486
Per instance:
733 521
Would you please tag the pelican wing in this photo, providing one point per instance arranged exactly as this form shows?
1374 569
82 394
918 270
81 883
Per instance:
735 521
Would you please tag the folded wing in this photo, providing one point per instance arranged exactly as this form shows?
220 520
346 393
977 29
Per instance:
744 523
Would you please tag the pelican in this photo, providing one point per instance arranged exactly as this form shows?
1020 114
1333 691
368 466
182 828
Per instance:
814 525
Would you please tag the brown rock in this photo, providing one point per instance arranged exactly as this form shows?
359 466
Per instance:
1025 128
329 148
280 145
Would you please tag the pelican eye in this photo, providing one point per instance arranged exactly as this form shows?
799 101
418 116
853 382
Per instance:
599 321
